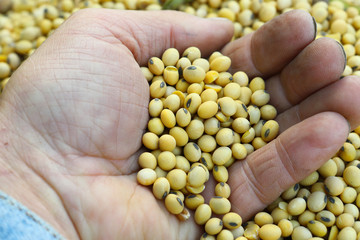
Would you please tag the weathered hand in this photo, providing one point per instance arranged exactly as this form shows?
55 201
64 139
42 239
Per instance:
73 114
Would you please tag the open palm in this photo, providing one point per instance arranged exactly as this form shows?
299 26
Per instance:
73 115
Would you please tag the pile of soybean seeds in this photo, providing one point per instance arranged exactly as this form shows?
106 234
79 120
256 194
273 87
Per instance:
202 120
28 23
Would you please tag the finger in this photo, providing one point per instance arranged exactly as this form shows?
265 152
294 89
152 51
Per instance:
341 97
150 33
272 46
297 152
317 65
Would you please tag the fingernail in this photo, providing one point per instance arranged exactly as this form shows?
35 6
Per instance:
349 126
343 51
315 26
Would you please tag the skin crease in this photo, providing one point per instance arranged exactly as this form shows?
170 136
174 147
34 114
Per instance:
73 114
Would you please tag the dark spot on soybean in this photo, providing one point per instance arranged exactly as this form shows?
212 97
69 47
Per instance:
267 132
222 184
325 199
180 70
203 161
296 187
172 192
179 201
342 148
326 188
358 165
221 223
191 67
218 197
151 61
196 146
231 78
331 199
156 99
188 103
191 196
216 168
162 84
164 195
325 219
205 235
218 125
233 224
233 133
311 221
244 107
46 10
185 110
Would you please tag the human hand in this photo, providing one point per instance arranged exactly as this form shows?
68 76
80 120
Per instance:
73 115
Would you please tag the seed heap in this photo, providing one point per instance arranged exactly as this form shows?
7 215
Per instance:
29 22
202 120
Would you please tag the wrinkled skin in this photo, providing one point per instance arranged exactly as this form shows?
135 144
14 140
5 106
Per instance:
73 114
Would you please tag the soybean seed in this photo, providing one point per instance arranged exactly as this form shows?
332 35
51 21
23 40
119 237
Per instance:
166 160
207 143
193 201
326 217
147 160
196 177
183 117
232 220
221 155
177 179
170 57
150 141
270 130
262 218
156 66
213 226
270 232
157 89
192 152
161 188
192 53
146 176
222 189
316 201
195 129
180 136
207 109
220 173
174 204
202 214
167 143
